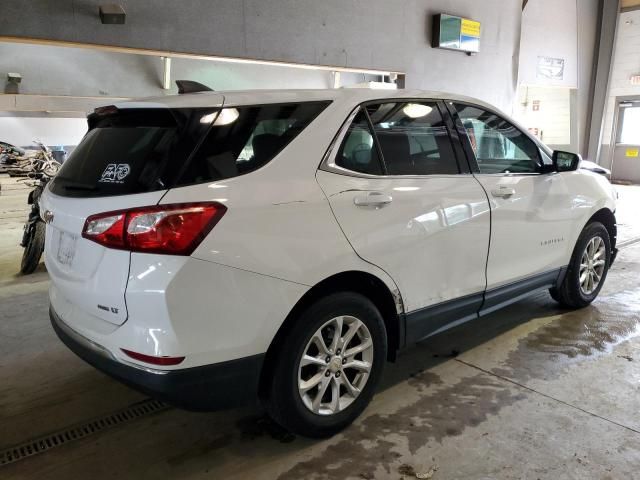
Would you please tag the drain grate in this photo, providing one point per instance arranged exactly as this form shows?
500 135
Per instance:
82 430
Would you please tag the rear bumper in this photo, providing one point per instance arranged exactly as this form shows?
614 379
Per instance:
210 387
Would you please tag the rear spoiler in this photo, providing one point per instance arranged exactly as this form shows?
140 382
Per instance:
189 86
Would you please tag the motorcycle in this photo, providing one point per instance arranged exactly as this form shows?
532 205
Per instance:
22 165
9 155
41 170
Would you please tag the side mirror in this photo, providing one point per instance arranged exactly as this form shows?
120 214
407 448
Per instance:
566 161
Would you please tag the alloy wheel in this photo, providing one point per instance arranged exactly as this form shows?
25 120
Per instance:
335 365
592 265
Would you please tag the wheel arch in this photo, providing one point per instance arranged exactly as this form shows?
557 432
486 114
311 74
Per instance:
608 219
360 282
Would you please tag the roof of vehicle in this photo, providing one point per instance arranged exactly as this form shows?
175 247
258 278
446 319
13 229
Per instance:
256 97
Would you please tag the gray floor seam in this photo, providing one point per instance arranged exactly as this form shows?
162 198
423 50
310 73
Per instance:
628 243
513 382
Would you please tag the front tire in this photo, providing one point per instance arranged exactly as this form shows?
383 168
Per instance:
587 269
329 365
33 249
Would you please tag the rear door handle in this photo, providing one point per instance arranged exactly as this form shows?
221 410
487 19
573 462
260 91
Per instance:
503 192
372 199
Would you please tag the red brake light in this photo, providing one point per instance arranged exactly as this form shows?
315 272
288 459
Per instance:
170 229
153 360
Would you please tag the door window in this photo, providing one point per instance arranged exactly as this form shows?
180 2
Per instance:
413 138
630 124
498 145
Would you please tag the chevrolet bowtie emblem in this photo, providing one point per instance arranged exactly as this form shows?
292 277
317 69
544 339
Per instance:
48 216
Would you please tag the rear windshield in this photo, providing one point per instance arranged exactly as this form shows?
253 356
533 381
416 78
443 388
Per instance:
144 150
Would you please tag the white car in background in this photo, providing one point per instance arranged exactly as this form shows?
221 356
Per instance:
210 248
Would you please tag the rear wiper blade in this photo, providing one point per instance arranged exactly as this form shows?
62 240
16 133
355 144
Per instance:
81 186
71 184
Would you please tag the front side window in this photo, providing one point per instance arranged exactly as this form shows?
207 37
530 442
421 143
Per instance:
498 145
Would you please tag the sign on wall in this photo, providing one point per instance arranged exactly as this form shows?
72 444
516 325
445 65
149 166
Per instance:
549 44
549 68
456 33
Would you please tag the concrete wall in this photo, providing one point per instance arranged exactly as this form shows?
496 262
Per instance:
56 70
22 131
566 29
549 29
551 119
381 34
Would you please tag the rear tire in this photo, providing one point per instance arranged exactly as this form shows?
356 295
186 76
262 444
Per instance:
33 250
339 376
587 269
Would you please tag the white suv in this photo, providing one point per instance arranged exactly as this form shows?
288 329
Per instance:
210 248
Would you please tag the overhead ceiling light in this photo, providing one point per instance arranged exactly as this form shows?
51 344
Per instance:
112 14
208 118
416 110
227 116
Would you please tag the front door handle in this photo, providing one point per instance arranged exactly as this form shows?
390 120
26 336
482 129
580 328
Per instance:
373 199
503 192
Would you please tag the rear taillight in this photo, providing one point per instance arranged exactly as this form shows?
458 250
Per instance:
170 229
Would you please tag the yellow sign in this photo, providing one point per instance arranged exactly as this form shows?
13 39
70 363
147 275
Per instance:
632 152
470 28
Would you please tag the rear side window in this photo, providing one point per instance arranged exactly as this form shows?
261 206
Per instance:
244 139
413 138
358 152
144 150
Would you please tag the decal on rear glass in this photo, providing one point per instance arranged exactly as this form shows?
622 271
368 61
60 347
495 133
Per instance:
115 173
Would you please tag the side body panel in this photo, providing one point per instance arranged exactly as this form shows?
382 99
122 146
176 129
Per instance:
536 218
531 228
279 222
535 229
432 238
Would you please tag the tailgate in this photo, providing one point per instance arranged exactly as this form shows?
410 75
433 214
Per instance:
130 157
87 276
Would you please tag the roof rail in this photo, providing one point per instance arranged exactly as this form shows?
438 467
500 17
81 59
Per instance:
189 86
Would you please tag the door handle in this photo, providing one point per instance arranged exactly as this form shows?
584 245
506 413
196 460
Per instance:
503 192
372 199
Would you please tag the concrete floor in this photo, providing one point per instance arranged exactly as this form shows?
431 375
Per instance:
534 393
